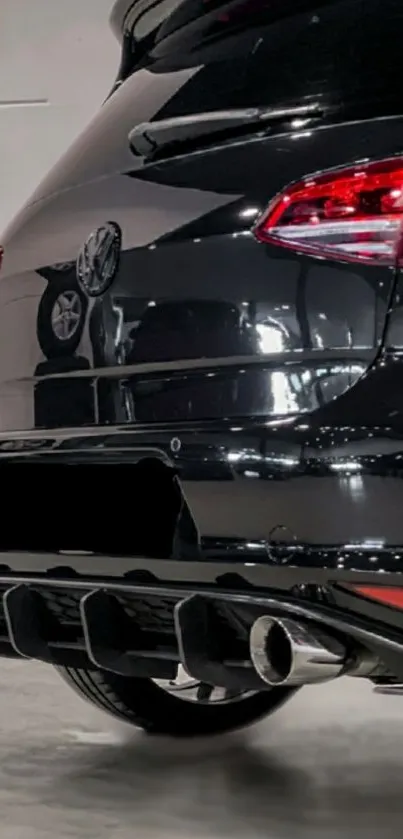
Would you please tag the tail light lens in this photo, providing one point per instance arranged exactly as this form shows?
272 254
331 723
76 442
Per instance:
355 213
1 256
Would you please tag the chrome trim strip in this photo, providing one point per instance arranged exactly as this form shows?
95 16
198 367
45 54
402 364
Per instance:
277 361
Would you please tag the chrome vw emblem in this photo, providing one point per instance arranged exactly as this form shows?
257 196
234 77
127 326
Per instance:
98 260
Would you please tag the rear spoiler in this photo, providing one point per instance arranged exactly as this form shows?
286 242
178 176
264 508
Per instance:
118 16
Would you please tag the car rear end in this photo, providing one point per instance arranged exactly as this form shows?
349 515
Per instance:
201 427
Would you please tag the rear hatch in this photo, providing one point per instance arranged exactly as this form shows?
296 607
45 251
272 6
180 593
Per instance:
197 301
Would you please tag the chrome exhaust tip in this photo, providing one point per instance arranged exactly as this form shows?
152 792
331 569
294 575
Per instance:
285 652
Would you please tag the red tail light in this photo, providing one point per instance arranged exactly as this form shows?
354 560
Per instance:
355 213
387 595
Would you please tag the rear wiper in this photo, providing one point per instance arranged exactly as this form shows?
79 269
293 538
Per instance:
150 139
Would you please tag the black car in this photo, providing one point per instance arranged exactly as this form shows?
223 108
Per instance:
201 371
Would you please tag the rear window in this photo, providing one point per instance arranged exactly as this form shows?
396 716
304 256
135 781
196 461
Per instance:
270 52
346 53
209 55
149 22
238 13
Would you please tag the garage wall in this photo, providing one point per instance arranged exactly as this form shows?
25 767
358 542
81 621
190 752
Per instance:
58 59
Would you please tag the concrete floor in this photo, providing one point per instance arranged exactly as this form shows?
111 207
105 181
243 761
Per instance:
328 765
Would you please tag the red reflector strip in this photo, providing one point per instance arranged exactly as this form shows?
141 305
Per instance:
388 595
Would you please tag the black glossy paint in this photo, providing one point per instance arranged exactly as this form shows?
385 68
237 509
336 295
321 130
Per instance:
271 380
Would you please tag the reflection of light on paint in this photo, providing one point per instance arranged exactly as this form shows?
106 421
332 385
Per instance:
278 423
347 466
319 341
301 134
299 123
284 401
119 329
234 457
373 544
270 339
282 461
356 488
250 212
243 454
366 545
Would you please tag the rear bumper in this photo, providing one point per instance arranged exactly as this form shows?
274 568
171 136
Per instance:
96 559
145 629
290 492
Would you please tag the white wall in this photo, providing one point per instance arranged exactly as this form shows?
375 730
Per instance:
58 59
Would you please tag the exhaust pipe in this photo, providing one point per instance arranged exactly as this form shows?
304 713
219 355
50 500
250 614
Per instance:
285 652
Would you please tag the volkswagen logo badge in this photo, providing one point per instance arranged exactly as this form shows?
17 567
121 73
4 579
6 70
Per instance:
98 260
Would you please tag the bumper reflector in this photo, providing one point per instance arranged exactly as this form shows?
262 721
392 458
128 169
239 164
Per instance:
388 595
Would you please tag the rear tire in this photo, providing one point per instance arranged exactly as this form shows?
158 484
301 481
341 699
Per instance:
143 703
